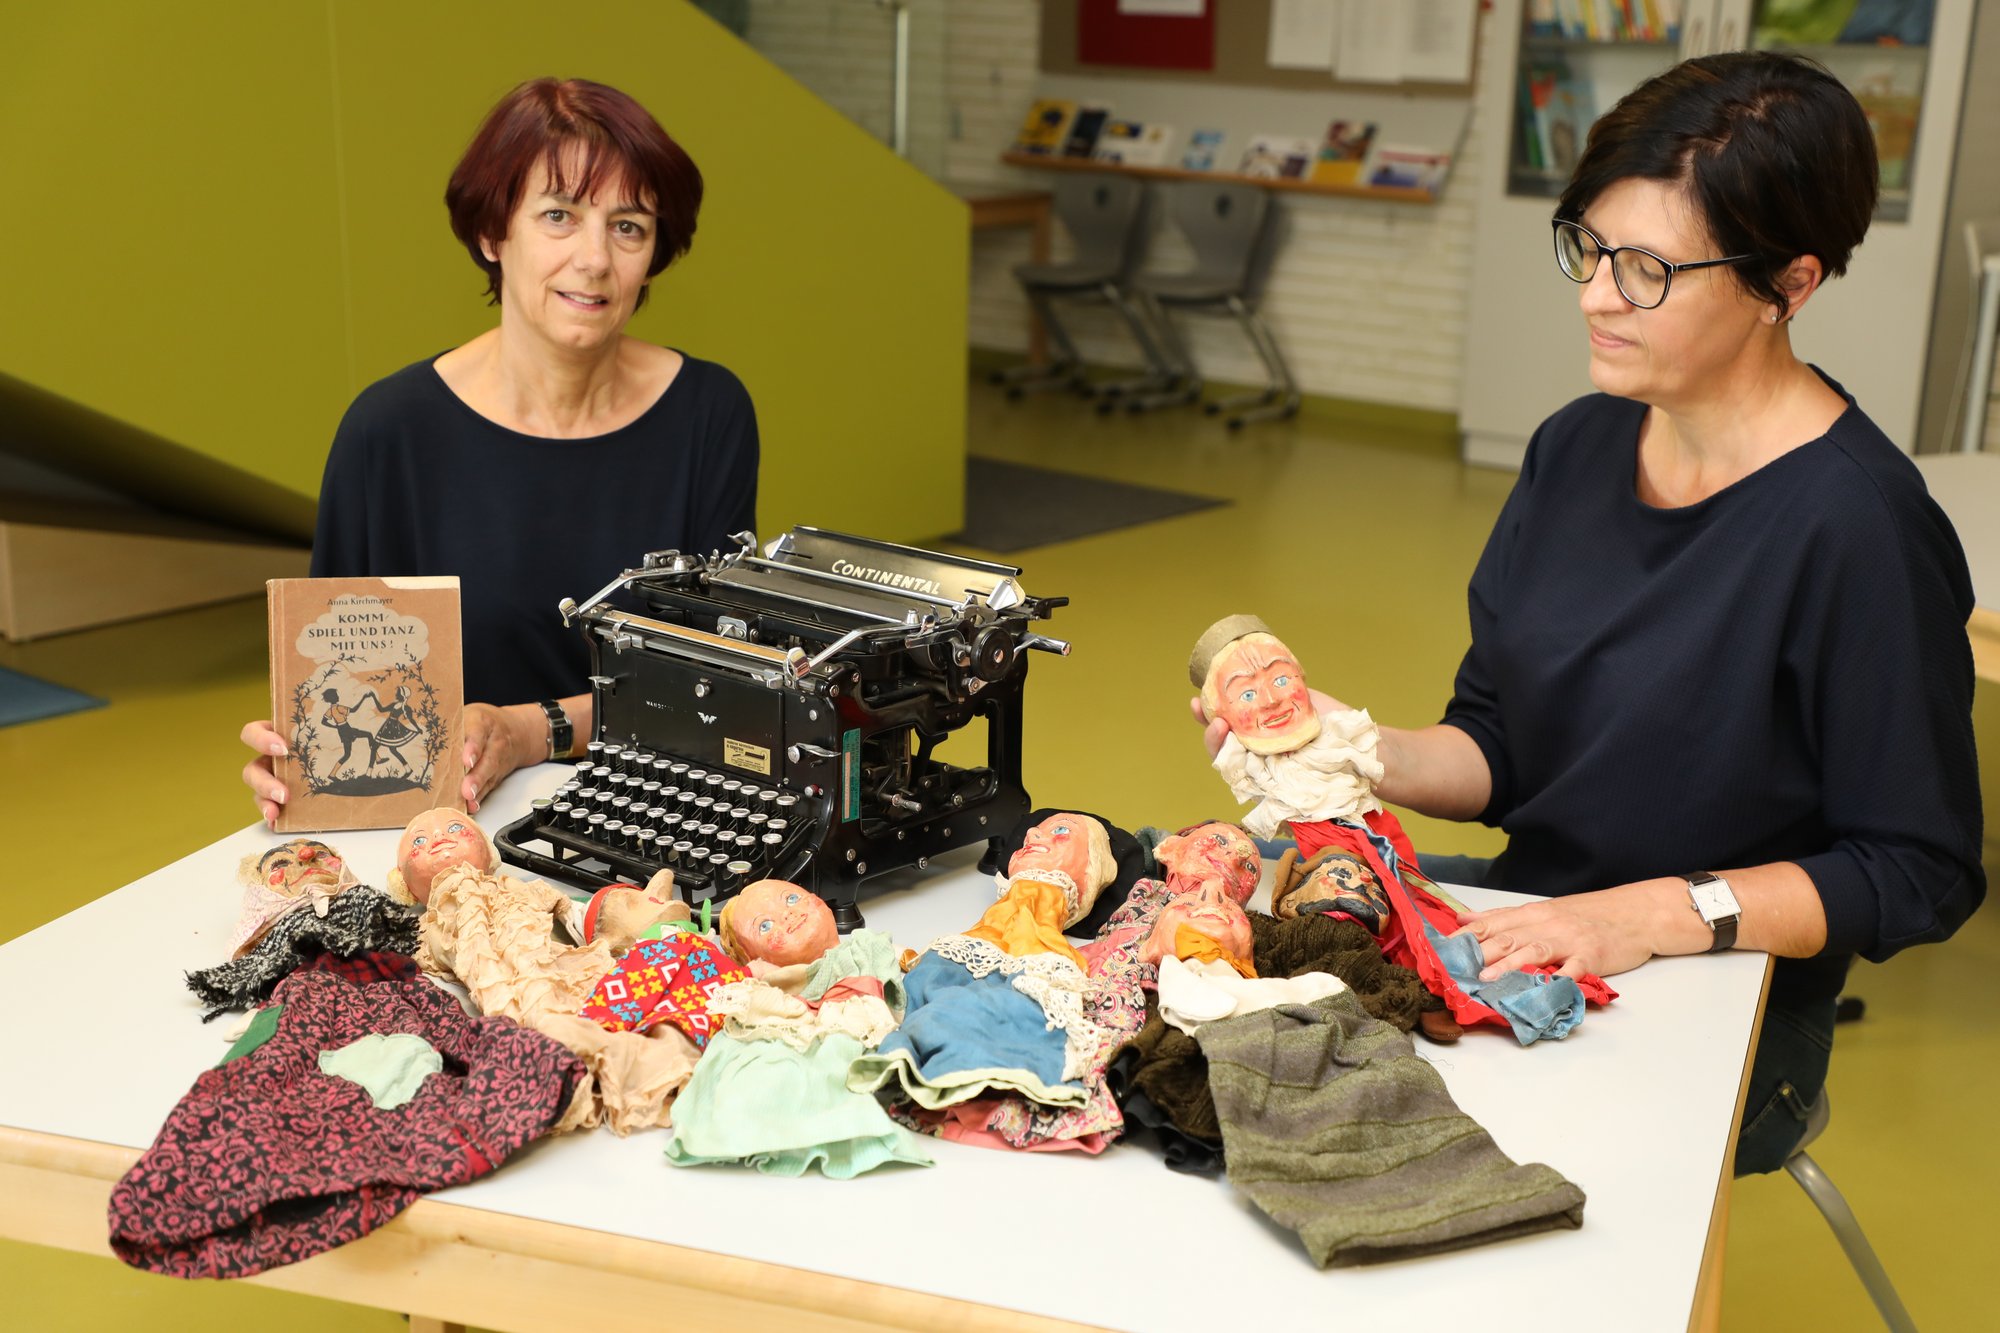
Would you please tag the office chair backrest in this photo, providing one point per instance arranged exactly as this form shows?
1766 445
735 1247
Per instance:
1106 215
1226 225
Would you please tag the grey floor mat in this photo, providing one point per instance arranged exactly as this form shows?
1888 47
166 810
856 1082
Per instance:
1009 507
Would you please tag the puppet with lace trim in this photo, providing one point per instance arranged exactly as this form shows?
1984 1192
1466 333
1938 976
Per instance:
1316 772
518 949
1001 1007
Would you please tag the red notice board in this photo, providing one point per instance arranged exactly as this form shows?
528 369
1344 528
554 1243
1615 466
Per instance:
1152 41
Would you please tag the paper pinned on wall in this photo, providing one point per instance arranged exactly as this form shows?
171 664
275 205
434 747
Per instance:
1192 9
1438 39
1303 34
1370 41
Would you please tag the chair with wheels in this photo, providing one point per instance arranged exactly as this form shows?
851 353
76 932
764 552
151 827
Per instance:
1232 229
1846 1228
1108 217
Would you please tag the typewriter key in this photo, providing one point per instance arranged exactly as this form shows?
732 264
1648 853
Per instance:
651 790
682 852
596 825
601 774
778 826
731 787
539 804
662 768
706 832
704 804
619 805
713 781
568 788
735 873
716 861
594 750
643 843
745 843
785 805
679 769
578 814
771 842
603 798
694 776
630 835
755 821
584 794
643 758
557 809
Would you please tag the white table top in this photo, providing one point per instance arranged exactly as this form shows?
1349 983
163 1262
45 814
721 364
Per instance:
1635 1107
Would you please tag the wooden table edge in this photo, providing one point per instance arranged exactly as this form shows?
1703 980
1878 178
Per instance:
1707 1312
453 1264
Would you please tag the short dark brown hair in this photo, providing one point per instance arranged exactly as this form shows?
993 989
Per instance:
1774 152
549 120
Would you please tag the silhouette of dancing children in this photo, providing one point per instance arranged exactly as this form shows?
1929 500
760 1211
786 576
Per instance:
339 718
397 728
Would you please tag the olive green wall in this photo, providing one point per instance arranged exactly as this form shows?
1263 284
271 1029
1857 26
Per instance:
232 220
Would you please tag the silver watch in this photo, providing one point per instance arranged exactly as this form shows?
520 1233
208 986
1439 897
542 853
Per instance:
1715 903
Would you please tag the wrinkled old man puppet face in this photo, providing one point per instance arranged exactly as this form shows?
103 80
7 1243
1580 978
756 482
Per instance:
1251 680
1339 882
296 868
433 843
1215 854
779 923
1209 912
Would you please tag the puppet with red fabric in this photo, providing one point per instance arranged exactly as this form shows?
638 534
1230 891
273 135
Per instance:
1315 772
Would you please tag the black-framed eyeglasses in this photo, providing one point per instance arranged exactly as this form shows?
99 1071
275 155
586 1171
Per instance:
1643 277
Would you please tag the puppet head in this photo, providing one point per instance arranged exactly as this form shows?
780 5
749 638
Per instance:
1070 850
621 914
1335 880
283 879
1209 912
1214 854
433 843
776 922
1248 678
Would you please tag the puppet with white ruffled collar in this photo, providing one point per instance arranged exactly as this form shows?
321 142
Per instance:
1297 762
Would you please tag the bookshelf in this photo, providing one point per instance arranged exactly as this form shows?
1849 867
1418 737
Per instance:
1391 194
1872 329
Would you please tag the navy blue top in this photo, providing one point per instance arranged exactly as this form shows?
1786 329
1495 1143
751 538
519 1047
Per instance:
419 483
1779 672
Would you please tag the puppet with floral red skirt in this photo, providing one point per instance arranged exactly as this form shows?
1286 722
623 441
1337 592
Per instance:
1316 771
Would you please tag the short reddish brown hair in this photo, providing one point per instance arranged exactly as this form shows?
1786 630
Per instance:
551 121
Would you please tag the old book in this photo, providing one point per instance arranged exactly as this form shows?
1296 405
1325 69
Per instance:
368 690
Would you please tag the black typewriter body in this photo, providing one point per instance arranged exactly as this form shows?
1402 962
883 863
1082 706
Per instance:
778 716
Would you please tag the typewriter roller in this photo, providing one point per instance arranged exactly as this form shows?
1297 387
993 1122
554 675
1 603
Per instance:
778 716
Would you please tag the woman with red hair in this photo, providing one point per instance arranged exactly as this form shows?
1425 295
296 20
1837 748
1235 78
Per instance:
549 453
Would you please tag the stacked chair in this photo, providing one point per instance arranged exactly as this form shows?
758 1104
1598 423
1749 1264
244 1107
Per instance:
1109 218
1232 229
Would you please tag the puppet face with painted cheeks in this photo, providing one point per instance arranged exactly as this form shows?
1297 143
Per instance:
1256 686
1209 912
1215 854
779 923
433 843
296 868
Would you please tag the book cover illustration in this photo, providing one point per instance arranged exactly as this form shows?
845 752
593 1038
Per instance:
1342 152
367 688
1204 147
1409 169
1046 126
1278 157
1133 143
1084 131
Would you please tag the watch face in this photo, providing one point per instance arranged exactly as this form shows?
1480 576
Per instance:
1713 899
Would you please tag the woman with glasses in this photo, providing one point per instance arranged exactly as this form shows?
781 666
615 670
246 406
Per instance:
1719 688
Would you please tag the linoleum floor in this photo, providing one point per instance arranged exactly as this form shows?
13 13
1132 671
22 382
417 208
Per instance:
1355 542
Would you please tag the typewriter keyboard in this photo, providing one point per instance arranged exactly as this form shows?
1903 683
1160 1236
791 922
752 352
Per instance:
626 813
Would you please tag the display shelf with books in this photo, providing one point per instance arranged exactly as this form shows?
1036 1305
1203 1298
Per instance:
1390 193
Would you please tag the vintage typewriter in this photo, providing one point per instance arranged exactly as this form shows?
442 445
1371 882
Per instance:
778 716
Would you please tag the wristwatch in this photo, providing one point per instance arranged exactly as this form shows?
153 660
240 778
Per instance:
1715 902
561 733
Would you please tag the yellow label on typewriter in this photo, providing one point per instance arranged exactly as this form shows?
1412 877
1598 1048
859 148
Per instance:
740 754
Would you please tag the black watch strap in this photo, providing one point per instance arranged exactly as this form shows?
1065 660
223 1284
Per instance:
561 734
